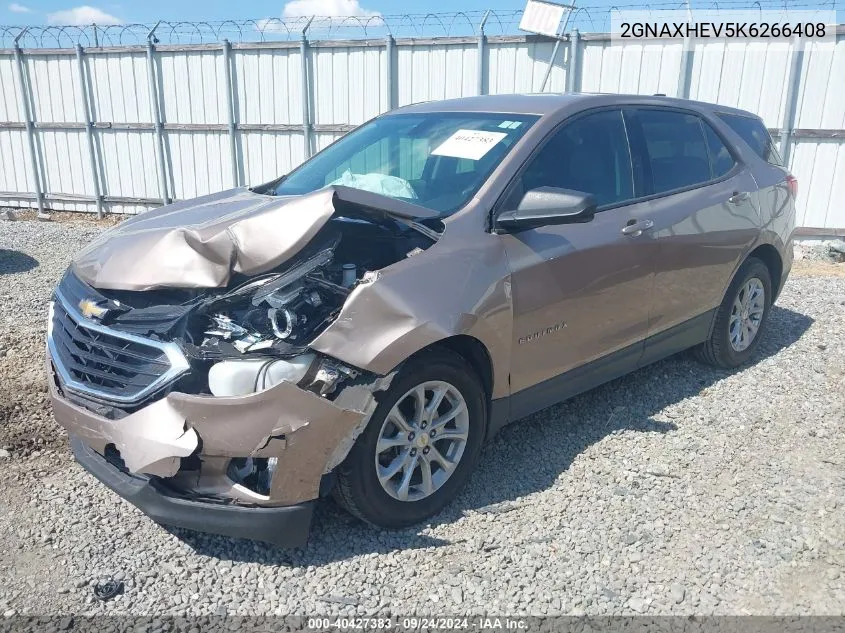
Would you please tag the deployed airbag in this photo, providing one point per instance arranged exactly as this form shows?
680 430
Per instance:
392 186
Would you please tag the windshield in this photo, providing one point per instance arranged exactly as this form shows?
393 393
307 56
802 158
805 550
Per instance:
436 160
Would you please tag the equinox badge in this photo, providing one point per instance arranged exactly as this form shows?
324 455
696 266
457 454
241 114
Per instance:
528 338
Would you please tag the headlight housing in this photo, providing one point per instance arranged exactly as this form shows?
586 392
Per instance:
280 312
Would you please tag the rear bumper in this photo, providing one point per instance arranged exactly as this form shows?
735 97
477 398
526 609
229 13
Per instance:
286 526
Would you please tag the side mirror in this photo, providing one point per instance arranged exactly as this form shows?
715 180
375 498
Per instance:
545 206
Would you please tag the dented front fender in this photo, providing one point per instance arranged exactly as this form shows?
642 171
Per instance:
461 286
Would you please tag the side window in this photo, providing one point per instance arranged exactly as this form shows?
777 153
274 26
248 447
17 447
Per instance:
721 161
590 154
755 134
677 150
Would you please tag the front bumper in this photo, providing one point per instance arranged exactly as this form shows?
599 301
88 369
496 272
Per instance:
309 435
286 526
174 452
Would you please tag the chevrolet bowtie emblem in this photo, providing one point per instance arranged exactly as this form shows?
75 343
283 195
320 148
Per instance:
90 310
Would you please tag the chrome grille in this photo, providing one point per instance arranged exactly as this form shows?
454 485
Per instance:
97 361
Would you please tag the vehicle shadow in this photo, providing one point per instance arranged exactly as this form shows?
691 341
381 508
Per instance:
15 262
526 457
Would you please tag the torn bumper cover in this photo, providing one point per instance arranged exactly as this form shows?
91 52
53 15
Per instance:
286 526
170 458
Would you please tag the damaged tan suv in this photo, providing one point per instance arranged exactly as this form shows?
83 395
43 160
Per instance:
362 325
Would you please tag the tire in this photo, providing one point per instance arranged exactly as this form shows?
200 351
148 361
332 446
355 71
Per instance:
358 487
723 349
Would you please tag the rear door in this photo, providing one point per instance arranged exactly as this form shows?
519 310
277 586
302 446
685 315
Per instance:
702 201
775 186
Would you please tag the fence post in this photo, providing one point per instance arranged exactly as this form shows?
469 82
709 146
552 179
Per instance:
482 46
389 47
230 112
792 84
156 114
89 129
685 76
306 90
573 74
30 128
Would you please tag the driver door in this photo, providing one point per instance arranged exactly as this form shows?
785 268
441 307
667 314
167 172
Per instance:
581 292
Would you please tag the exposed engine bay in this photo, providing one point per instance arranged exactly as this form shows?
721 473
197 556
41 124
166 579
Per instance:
265 317
163 312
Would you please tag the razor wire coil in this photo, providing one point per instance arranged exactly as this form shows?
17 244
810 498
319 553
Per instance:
461 23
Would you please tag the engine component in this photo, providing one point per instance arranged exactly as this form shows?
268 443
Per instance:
288 314
242 377
294 274
281 312
350 275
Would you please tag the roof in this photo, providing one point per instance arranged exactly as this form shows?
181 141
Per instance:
548 103
543 103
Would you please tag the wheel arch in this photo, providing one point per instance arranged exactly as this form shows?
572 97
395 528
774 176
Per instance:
470 349
770 256
475 354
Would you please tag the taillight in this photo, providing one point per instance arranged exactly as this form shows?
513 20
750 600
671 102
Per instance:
792 181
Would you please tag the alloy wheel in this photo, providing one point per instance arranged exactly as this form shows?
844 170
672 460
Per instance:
422 441
747 314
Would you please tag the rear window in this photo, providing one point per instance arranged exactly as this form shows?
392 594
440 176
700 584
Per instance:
755 134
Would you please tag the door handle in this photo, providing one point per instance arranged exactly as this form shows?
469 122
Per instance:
635 229
739 196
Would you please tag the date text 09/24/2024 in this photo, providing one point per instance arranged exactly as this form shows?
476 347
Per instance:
417 623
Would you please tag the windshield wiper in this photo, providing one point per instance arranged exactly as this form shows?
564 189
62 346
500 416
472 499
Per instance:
268 188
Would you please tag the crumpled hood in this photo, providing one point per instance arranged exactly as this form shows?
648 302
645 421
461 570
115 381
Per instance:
200 243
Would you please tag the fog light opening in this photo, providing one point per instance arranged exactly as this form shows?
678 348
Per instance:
253 473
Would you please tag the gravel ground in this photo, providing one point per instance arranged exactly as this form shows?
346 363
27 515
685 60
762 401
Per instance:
679 489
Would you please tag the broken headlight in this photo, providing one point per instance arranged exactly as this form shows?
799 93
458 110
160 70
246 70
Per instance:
281 312
291 317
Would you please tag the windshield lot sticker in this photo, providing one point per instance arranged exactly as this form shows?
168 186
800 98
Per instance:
471 144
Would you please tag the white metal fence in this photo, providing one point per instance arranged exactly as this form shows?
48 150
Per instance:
123 128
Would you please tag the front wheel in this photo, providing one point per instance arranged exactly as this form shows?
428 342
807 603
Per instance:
420 446
741 318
